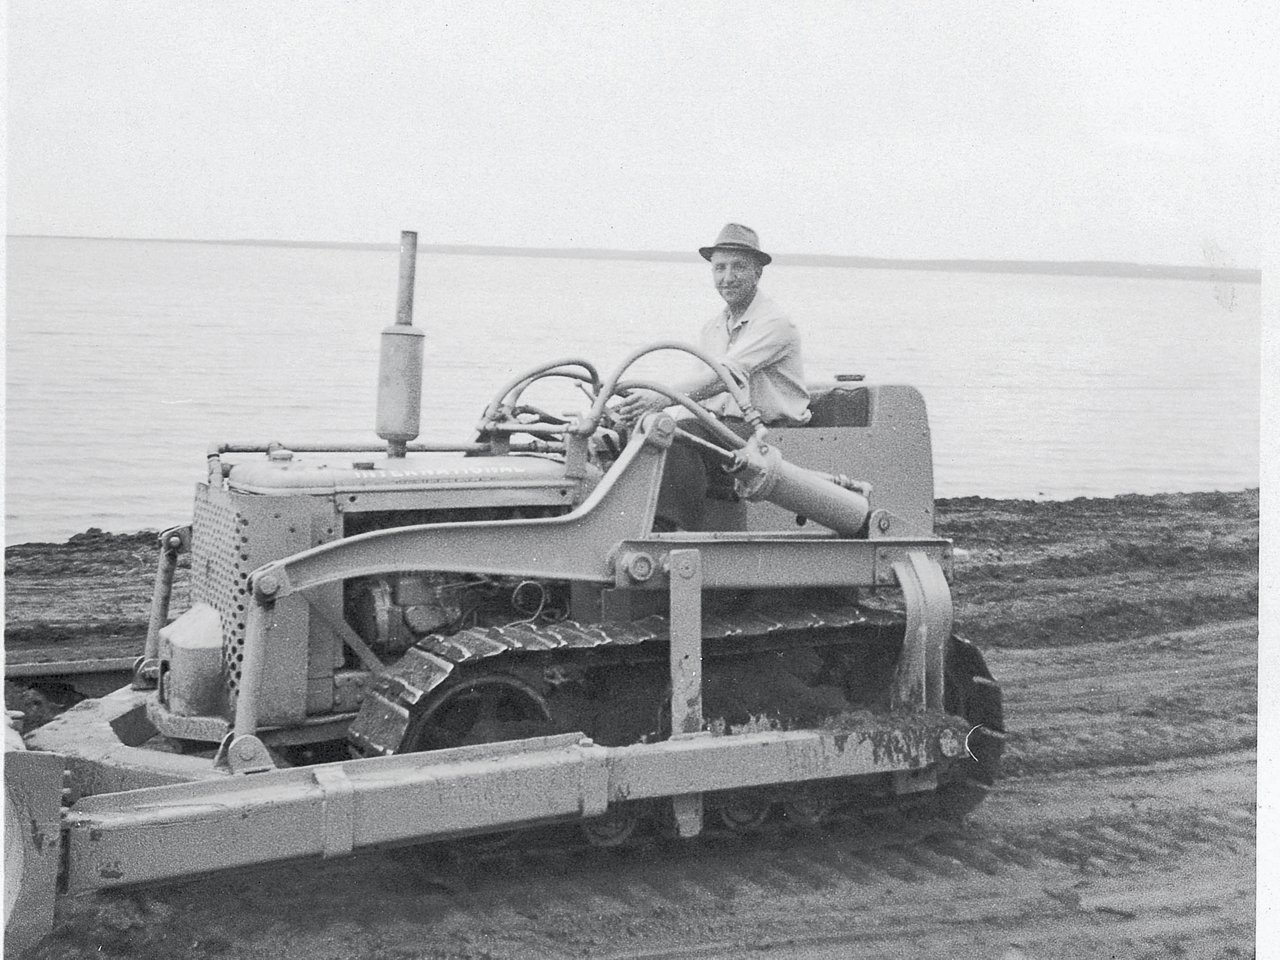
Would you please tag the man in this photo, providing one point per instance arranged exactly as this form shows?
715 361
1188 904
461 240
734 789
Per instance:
759 345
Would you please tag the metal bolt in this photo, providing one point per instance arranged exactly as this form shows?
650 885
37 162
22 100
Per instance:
883 524
950 744
639 566
685 568
268 585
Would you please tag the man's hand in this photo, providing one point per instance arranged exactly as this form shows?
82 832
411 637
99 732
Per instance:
639 402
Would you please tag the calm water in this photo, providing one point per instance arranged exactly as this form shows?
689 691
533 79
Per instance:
126 358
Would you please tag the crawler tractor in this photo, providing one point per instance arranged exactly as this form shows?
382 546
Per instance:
406 642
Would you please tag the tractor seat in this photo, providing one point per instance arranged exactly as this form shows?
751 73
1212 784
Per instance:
840 406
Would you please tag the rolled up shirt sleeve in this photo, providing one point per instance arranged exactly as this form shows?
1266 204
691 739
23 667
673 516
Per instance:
760 344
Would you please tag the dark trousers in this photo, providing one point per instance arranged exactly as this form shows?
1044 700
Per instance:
691 474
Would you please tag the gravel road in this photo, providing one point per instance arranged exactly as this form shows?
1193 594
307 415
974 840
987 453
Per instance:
1124 632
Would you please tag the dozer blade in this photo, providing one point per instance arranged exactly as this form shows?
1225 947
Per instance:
32 845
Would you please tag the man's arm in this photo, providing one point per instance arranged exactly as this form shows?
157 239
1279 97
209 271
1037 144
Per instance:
639 402
764 342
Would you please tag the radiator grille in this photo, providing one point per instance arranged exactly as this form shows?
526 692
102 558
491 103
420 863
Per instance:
220 571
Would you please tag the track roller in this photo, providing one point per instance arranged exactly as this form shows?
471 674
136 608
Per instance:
744 815
807 811
615 827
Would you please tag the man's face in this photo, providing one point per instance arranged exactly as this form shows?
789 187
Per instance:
735 276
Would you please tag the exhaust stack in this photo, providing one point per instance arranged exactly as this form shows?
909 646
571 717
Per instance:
400 364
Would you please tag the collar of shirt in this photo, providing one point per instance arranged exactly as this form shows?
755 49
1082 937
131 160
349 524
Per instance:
731 325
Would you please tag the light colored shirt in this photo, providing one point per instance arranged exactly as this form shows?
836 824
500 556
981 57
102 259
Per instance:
762 350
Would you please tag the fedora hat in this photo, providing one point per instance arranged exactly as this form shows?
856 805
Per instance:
735 236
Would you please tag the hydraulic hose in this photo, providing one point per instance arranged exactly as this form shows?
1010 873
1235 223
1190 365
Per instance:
734 441
610 387
522 382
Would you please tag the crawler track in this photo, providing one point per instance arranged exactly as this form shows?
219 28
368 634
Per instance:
802 663
822 657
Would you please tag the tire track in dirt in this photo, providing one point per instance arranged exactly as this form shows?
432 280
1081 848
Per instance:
1067 883
1185 694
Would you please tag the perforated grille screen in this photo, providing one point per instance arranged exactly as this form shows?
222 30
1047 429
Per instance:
220 568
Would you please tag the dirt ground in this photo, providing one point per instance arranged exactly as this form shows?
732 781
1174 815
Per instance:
1124 632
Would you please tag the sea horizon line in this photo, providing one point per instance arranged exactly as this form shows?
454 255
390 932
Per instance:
1100 268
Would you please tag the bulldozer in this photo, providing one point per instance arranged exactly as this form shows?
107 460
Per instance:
404 642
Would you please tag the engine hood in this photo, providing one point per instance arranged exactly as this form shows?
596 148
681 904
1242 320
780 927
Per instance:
326 475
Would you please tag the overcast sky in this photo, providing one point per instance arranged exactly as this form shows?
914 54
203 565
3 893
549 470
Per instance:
1009 129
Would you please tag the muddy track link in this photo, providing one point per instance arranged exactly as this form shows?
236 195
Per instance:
546 653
